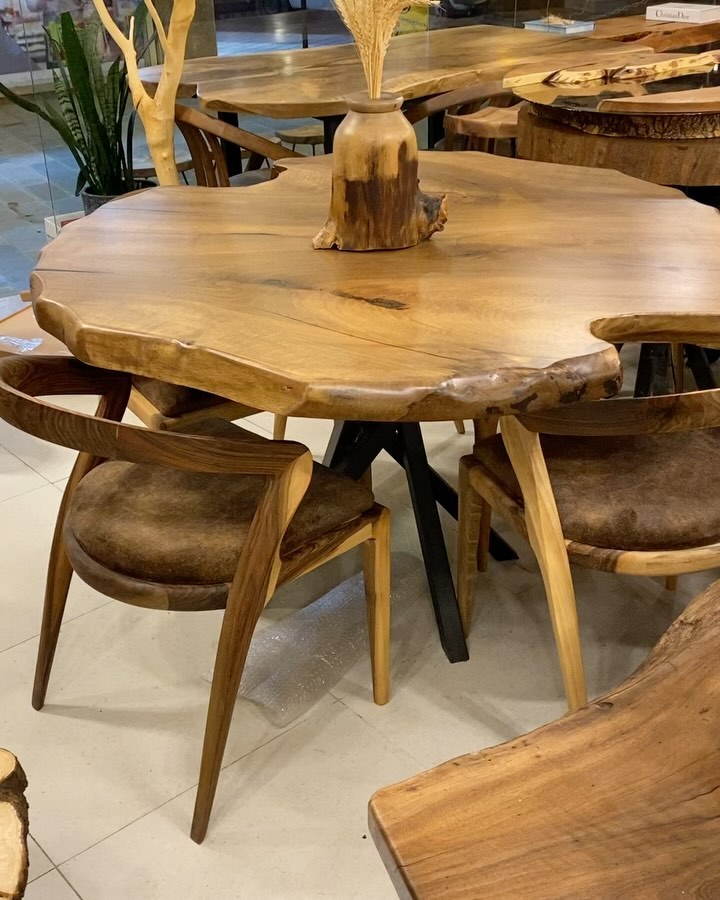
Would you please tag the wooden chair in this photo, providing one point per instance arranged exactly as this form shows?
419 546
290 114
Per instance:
482 129
616 800
158 404
621 485
483 113
463 100
191 522
204 136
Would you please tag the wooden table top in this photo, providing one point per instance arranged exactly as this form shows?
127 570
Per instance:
507 309
315 82
658 35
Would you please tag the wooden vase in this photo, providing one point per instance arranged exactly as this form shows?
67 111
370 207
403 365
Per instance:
376 201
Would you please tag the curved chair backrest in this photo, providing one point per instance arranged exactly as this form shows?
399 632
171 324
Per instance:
638 415
466 99
23 379
203 135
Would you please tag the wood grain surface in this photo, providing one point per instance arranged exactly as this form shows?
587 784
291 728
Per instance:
658 35
315 82
702 100
13 828
617 800
582 66
658 149
509 309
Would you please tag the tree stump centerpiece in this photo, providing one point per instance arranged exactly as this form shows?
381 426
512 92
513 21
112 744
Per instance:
376 201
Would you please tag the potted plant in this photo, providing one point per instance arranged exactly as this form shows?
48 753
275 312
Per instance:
89 110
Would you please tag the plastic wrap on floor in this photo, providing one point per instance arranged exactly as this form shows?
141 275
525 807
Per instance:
291 665
11 344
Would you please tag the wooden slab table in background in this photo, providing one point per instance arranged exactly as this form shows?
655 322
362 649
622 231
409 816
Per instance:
659 36
315 82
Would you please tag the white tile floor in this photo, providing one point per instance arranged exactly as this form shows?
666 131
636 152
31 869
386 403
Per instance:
112 760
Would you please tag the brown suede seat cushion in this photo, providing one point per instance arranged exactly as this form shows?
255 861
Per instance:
173 399
161 525
650 492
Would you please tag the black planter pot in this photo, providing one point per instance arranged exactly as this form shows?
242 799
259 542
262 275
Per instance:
91 202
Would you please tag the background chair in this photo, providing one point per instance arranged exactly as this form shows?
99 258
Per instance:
158 404
617 800
191 522
205 136
616 485
480 113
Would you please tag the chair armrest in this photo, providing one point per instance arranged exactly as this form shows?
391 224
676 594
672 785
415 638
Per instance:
48 376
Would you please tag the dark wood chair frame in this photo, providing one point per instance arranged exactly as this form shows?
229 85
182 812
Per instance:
207 138
287 467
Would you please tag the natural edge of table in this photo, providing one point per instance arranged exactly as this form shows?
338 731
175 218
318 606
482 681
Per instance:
507 311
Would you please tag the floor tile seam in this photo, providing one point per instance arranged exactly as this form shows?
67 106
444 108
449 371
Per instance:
52 861
66 620
393 743
180 793
27 466
68 883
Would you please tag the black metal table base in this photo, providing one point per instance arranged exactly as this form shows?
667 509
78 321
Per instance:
353 447
654 373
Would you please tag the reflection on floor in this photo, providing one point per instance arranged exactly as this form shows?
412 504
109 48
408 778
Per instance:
112 760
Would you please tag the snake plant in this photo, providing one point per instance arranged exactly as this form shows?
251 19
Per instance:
89 106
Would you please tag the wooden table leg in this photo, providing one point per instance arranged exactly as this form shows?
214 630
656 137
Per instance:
700 367
654 370
233 153
330 124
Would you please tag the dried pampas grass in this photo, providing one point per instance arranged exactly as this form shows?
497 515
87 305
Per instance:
372 23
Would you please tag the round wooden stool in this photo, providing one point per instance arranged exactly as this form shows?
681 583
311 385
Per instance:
312 135
483 128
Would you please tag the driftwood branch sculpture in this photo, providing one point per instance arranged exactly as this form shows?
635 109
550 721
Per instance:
157 112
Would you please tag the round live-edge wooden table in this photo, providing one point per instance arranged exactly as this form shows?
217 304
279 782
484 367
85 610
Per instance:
514 307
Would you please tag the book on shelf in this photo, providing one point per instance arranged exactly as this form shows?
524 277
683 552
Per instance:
567 26
683 12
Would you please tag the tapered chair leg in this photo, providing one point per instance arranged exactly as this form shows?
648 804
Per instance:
56 590
547 541
239 623
671 583
376 563
57 585
112 406
470 514
279 427
459 426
